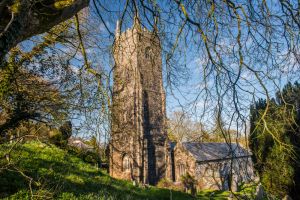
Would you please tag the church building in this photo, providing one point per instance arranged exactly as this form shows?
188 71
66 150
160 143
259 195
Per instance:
139 147
139 139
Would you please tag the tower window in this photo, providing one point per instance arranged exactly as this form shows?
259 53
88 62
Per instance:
126 163
147 53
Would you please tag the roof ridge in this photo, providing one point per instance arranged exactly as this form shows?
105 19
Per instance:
214 150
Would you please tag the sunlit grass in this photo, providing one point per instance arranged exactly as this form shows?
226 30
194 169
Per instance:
58 174
65 176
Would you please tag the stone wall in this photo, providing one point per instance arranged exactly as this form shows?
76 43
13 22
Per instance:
213 175
138 112
126 93
216 174
184 162
153 107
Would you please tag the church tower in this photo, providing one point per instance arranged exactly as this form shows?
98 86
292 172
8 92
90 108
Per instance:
138 139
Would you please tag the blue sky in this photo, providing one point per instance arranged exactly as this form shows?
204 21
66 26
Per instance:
185 93
189 61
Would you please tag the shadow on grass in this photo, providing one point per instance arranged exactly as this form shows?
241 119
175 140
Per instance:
59 172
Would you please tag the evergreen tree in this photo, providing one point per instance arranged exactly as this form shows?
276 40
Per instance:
274 141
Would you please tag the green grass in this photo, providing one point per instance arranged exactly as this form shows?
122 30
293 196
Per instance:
57 174
209 194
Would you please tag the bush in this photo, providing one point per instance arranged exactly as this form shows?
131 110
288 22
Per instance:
89 156
22 194
165 183
189 183
60 136
66 130
55 136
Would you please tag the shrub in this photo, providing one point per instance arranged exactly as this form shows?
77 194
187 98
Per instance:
55 136
189 183
91 157
60 136
88 156
165 183
66 130
22 194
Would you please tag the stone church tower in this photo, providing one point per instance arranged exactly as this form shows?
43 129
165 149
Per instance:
138 140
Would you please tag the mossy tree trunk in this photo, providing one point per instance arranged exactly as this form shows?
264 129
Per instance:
21 19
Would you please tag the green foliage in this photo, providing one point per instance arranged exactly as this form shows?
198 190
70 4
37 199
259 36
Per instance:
102 195
212 194
89 156
25 97
66 130
60 136
246 191
99 151
189 182
27 92
22 194
278 172
274 141
60 4
164 183
55 136
6 78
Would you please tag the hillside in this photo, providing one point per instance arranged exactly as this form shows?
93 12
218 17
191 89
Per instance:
56 174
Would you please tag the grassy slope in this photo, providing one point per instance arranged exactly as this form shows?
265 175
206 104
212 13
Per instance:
60 175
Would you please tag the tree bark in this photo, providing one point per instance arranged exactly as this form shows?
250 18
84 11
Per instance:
21 19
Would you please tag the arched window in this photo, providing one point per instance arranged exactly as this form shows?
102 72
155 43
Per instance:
181 169
147 53
126 163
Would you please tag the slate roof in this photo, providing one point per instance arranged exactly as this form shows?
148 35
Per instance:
214 151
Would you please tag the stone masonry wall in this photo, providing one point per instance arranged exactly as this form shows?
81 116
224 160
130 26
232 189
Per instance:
185 160
213 175
138 113
216 175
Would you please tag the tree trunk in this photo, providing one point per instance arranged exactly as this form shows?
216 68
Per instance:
21 19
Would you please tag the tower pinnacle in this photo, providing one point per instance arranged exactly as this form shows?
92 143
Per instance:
117 31
136 21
